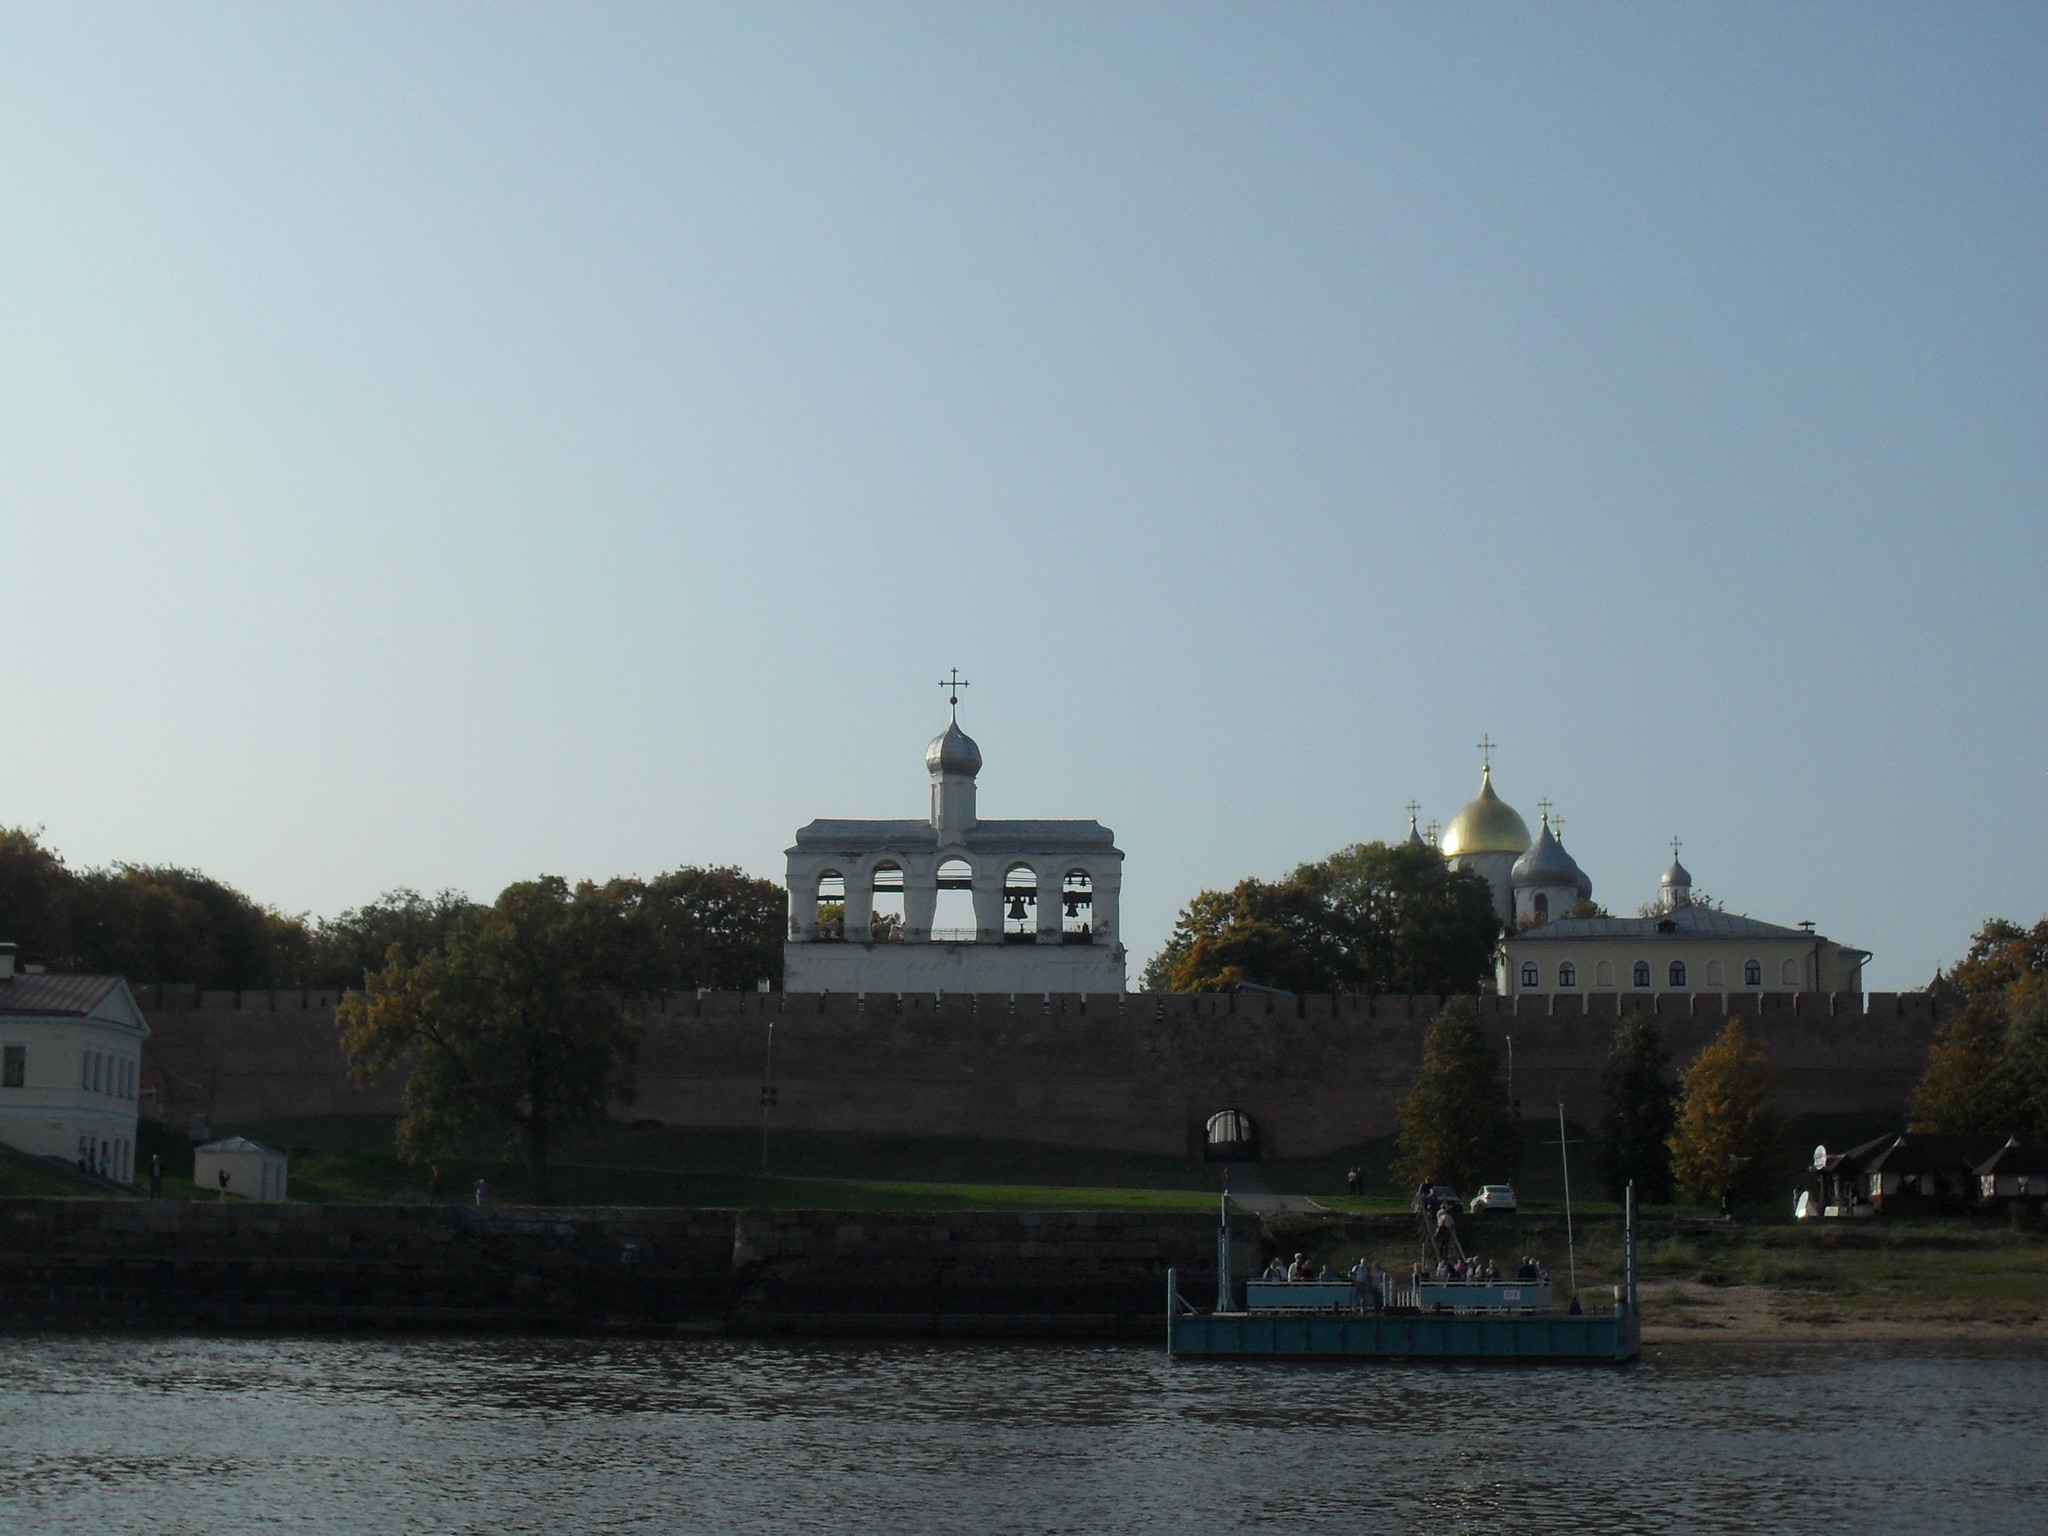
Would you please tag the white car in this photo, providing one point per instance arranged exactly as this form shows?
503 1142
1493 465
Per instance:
1494 1197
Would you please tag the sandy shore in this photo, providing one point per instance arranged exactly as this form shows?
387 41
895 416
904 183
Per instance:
1757 1314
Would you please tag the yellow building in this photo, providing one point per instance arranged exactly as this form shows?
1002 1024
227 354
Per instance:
1683 948
1547 945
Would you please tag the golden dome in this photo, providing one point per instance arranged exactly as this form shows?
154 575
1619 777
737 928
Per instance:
1487 825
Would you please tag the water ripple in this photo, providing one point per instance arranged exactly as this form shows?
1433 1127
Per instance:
169 1436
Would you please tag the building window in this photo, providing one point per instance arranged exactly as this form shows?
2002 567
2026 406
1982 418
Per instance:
1752 973
1642 973
830 914
14 1073
1542 907
1677 973
1788 974
1530 978
1567 975
886 911
953 917
1077 907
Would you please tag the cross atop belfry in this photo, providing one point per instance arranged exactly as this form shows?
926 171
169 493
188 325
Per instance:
953 684
1674 847
1486 746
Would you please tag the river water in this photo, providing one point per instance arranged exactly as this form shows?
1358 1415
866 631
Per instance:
217 1436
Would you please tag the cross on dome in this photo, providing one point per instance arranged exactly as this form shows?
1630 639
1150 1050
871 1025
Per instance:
953 684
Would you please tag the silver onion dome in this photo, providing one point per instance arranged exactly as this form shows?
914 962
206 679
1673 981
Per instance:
952 751
1547 864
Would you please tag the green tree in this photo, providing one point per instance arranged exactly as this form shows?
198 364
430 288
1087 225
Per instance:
159 923
1725 1144
1455 1126
1368 918
1988 1070
1637 1113
2026 1055
513 1025
37 897
348 948
719 928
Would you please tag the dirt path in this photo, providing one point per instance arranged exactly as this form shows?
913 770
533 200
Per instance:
1250 1192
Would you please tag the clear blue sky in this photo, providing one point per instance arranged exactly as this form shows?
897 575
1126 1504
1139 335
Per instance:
444 444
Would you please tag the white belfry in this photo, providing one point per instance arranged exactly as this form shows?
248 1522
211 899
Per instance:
1043 897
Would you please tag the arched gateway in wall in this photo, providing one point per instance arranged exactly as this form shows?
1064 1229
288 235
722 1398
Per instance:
954 903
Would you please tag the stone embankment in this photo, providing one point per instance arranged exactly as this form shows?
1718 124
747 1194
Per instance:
178 1264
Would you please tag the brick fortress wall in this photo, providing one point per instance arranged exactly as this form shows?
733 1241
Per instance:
1134 1071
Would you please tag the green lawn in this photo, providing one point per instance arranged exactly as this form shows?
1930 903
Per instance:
24 1178
354 1159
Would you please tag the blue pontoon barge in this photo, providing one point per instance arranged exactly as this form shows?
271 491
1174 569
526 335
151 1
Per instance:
1436 1320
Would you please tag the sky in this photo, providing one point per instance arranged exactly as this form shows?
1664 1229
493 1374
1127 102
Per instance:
441 445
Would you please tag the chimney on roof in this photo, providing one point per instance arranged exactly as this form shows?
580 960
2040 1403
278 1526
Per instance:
6 962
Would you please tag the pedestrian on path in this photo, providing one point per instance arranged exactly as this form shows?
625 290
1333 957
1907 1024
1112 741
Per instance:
479 1191
156 1175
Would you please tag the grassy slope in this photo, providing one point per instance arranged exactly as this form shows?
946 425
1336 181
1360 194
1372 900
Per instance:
24 1178
354 1159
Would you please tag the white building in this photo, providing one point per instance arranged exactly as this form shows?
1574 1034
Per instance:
242 1167
953 903
70 1067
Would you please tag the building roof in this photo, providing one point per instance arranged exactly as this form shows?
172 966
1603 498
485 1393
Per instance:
857 838
2018 1155
49 994
1921 1152
238 1144
1680 922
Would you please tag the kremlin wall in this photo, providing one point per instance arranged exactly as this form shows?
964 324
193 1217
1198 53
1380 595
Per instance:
1131 1071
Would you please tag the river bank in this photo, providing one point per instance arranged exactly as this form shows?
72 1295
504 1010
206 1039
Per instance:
1703 1279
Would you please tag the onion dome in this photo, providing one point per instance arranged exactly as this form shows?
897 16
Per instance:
1487 825
952 751
1414 837
1677 884
1547 864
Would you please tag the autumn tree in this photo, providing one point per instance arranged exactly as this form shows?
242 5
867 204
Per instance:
1637 1113
1369 918
1725 1144
1455 1126
514 1025
1988 1070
